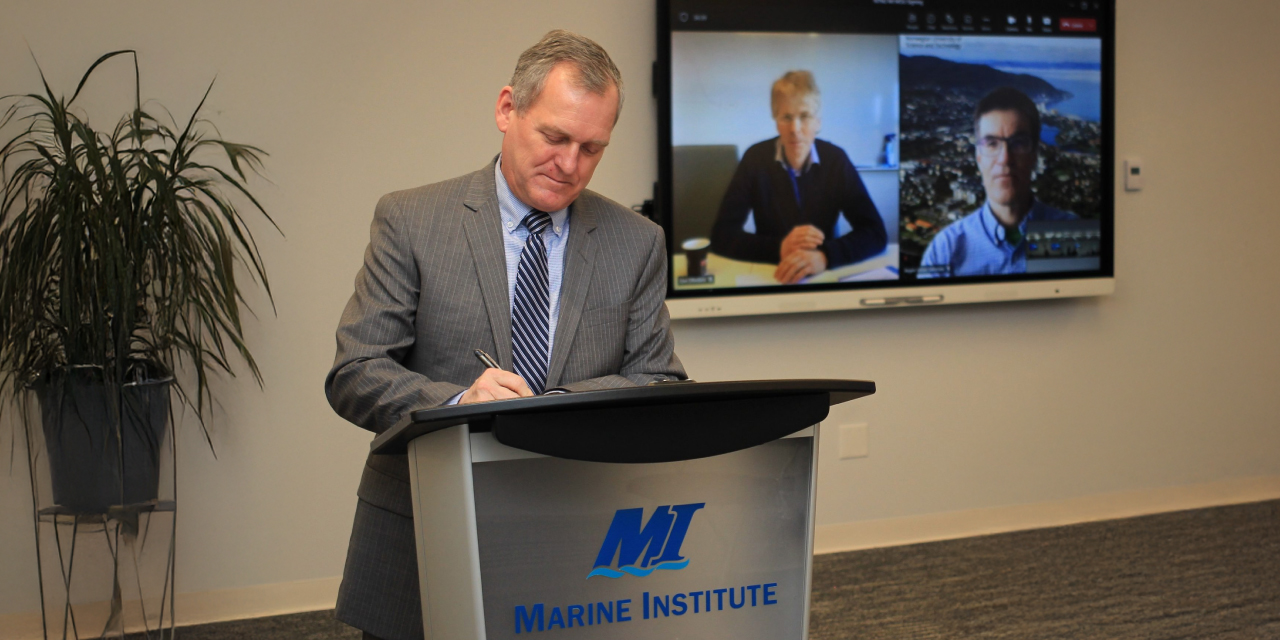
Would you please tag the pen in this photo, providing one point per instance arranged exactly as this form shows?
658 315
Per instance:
486 359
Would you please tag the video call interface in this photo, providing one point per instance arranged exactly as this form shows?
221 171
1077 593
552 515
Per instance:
928 145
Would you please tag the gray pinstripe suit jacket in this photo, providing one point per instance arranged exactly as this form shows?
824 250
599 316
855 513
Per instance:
433 288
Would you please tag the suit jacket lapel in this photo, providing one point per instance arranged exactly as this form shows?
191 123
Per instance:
579 261
483 227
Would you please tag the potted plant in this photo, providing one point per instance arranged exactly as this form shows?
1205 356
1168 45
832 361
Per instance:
121 254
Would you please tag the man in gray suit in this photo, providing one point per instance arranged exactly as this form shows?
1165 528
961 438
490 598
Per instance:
518 259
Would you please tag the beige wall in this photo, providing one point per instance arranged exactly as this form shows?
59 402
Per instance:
1169 382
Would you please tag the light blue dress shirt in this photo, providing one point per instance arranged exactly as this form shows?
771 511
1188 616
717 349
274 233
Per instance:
514 235
977 245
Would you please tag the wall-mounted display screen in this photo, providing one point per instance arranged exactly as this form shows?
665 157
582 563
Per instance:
884 152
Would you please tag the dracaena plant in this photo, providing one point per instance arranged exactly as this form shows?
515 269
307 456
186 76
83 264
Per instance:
120 249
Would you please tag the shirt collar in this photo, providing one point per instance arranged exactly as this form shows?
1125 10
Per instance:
513 211
782 158
996 231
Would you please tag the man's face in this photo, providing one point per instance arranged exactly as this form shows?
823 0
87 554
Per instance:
550 150
798 124
1006 150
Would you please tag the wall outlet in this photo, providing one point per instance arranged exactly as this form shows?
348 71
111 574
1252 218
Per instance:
853 441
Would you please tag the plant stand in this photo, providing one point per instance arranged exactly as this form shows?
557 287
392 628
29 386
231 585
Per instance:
128 549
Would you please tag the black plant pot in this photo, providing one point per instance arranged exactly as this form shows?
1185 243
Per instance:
95 460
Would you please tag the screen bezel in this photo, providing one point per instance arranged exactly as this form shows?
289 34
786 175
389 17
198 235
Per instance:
883 293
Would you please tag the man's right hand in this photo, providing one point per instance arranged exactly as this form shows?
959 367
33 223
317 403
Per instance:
805 237
496 384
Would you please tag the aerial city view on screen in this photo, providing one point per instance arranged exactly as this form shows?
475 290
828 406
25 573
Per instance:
945 175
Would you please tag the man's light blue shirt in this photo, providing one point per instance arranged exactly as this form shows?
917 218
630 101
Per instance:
976 245
515 234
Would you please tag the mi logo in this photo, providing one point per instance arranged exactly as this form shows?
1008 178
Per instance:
641 550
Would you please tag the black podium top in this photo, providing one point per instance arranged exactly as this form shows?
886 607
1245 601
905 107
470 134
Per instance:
656 423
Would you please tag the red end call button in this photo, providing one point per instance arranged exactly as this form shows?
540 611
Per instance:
1078 24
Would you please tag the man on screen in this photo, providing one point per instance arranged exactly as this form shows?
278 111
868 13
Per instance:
795 187
992 240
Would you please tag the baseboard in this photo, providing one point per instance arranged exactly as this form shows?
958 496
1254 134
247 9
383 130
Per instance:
314 595
191 608
891 532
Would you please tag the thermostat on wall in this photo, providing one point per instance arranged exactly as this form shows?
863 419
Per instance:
1133 174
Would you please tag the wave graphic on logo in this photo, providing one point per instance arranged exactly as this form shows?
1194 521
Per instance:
609 572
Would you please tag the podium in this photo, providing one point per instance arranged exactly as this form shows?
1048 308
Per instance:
674 510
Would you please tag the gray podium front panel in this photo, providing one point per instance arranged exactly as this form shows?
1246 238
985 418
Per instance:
711 548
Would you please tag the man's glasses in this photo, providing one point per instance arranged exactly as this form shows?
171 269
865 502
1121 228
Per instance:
1018 145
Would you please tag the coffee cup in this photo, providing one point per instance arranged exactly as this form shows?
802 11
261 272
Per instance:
695 254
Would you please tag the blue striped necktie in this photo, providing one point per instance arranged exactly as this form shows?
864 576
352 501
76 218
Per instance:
531 312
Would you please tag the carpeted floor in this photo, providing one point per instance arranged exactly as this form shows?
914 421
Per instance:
317 625
1209 573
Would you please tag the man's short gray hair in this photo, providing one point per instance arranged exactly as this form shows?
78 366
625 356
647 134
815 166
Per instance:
595 70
